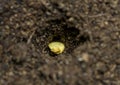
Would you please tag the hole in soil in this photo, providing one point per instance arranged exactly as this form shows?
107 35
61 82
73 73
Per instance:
59 30
70 36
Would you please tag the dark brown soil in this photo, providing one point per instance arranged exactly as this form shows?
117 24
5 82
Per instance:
90 30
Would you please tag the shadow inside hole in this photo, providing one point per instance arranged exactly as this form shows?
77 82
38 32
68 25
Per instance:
70 32
74 37
57 38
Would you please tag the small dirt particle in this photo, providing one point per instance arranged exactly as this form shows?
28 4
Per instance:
1 50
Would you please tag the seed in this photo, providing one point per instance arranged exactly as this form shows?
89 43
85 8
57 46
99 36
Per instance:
56 47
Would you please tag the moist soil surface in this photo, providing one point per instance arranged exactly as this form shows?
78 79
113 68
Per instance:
89 29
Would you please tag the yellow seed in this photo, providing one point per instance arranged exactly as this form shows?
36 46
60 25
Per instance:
56 47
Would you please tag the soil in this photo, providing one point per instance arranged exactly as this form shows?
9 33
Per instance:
90 30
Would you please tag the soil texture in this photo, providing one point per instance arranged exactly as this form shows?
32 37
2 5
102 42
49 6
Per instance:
90 30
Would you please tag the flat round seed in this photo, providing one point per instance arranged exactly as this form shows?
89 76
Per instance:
56 47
